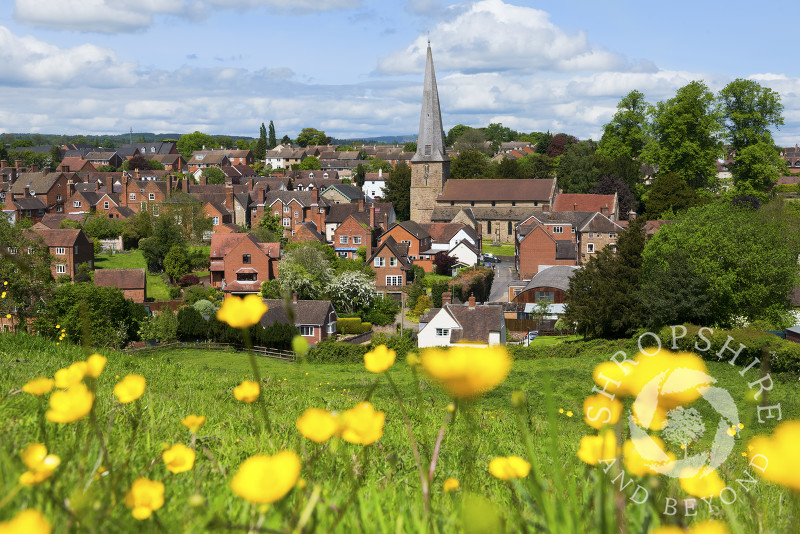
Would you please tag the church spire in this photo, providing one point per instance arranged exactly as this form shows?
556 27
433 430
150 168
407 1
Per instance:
430 143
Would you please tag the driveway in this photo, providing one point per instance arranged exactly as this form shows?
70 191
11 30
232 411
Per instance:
502 277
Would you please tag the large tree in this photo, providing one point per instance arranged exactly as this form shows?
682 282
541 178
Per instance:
188 143
213 175
472 141
685 135
669 194
272 141
166 234
398 191
306 271
469 164
748 111
626 134
756 167
577 168
608 185
260 150
309 163
311 136
351 291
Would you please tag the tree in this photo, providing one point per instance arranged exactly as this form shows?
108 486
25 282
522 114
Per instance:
382 311
608 185
604 296
747 258
506 169
271 141
757 167
176 262
360 175
286 140
398 191
192 142
559 144
469 164
454 133
685 136
305 270
472 141
136 228
351 291
410 147
55 157
748 110
537 166
213 175
260 151
166 234
99 227
311 136
191 325
162 328
578 170
676 294
187 212
497 133
270 229
625 136
310 163
138 162
543 141
443 263
669 193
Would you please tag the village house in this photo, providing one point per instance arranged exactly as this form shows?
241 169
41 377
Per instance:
391 265
108 158
132 282
240 263
469 324
202 159
417 241
342 194
314 319
375 184
70 248
358 230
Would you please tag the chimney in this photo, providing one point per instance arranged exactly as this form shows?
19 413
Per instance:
315 196
372 216
380 174
18 164
27 192
124 180
203 179
34 168
447 298
251 183
136 173
575 207
361 204
631 215
472 301
3 163
169 184
294 298
229 196
70 188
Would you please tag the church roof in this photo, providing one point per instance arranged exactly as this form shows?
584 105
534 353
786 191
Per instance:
504 190
430 143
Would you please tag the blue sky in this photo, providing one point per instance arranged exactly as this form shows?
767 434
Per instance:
354 67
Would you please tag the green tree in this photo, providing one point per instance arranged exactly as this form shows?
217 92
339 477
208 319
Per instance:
543 141
306 271
311 136
757 167
472 141
398 191
497 133
351 291
537 166
176 262
578 170
469 164
410 147
213 175
748 111
746 259
99 227
604 297
669 193
360 175
187 212
676 294
136 228
166 234
188 143
625 136
55 157
454 133
270 229
310 163
559 144
286 140
260 151
162 327
272 141
506 169
685 136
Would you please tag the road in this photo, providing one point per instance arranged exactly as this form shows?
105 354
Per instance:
502 277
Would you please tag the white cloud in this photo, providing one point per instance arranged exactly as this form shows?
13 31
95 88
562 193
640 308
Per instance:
112 16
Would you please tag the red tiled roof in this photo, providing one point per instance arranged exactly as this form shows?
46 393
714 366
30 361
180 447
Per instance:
583 202
121 278
500 189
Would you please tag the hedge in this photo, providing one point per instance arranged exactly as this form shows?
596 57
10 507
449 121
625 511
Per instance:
329 351
352 325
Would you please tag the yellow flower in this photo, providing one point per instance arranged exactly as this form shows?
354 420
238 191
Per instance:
599 410
8 316
66 378
379 359
466 372
144 497
40 464
451 484
703 483
266 479
709 526
95 364
317 425
775 457
362 424
193 422
3 295
299 345
508 468
27 522
561 410
70 405
595 448
242 313
570 414
247 391
178 458
654 456
412 359
129 388
39 386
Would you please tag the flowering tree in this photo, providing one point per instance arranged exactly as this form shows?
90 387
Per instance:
351 291
306 271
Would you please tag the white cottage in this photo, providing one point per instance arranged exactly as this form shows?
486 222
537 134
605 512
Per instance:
468 325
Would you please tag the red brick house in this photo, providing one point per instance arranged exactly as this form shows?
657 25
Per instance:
391 265
539 245
69 247
239 263
604 204
75 164
144 195
315 319
292 207
357 231
418 241
132 282
306 232
202 159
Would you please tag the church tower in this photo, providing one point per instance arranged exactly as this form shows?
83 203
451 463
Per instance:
430 166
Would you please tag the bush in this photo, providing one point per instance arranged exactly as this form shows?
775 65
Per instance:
174 293
787 188
382 311
191 325
205 307
189 280
330 351
352 325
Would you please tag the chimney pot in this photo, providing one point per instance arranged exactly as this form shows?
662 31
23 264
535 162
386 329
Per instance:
447 298
472 301
3 163
294 298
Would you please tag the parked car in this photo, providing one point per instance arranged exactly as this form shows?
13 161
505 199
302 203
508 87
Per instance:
490 258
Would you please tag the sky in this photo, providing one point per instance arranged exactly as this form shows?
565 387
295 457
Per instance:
354 68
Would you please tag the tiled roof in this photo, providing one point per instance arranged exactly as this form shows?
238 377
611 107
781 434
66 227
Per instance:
556 276
476 323
62 237
415 229
349 191
583 202
306 312
121 278
442 232
500 190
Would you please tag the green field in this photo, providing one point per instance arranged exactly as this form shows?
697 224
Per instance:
381 479
504 249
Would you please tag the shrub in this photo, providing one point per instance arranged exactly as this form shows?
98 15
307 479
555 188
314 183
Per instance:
174 293
191 325
352 325
382 311
189 280
787 188
330 351
204 307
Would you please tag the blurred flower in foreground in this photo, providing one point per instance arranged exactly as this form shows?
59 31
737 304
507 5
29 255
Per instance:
266 479
317 425
703 483
39 386
599 410
644 456
26 522
595 448
178 458
775 457
129 388
95 364
193 422
362 424
703 527
40 464
247 391
508 468
379 359
242 313
66 378
70 405
466 372
144 497
299 345
451 484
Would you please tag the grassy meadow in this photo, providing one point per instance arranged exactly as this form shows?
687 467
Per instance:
374 488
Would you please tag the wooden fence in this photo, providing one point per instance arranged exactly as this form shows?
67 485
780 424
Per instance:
268 352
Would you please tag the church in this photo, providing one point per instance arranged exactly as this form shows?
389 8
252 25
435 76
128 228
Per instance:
491 207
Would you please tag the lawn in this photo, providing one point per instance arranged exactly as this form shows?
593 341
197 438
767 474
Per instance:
504 249
382 478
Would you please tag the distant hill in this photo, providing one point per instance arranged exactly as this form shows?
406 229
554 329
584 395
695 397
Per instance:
385 139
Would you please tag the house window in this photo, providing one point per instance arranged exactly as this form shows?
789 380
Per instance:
12 250
545 296
590 235
246 259
395 280
155 210
214 221
332 327
306 330
277 213
406 243
59 209
287 209
342 253
441 332
510 228
132 196
356 239
379 262
494 203
246 277
61 268
343 239
152 196
75 249
76 203
105 205
612 234
60 251
488 227
287 221
558 229
392 262
296 214
58 197
513 203
143 206
590 248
